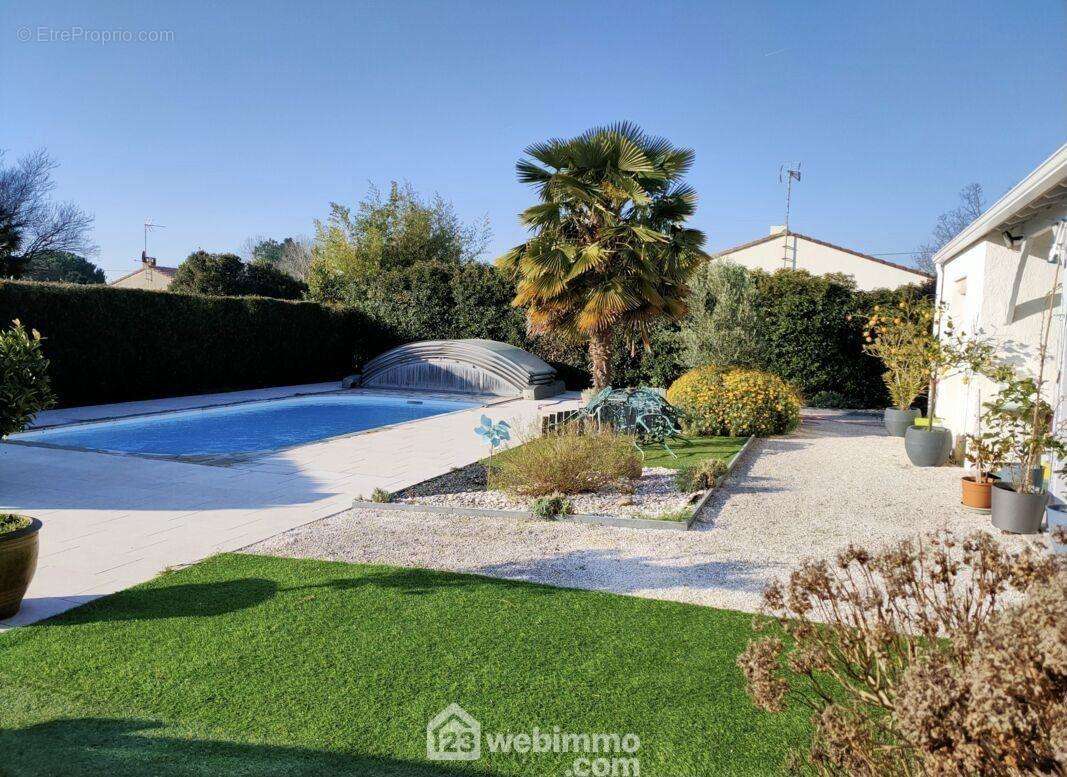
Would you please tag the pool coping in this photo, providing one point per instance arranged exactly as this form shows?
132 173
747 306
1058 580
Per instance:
230 459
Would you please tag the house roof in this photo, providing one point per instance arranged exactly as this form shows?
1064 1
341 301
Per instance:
810 239
168 271
1044 187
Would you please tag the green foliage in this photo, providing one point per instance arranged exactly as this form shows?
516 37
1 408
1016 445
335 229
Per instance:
807 336
681 515
381 495
720 327
63 267
807 329
569 462
24 386
107 344
225 275
437 301
386 234
699 476
610 251
833 400
551 506
1020 429
10 522
692 450
735 402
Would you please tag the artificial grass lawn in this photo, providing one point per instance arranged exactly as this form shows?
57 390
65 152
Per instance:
253 665
692 450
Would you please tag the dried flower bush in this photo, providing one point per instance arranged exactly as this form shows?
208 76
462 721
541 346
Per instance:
572 461
912 664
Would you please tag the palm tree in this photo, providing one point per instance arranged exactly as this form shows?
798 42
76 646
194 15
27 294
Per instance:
610 252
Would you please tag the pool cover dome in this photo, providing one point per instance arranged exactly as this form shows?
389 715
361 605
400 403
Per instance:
462 367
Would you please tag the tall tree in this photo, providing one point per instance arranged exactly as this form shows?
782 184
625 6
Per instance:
64 267
610 253
225 275
31 223
951 223
721 326
385 233
292 255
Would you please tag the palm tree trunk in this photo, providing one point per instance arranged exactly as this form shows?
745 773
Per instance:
600 359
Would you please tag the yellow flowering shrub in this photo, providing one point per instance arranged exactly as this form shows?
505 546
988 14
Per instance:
735 402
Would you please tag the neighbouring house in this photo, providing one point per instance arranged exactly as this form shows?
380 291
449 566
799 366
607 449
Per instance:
997 275
150 276
785 249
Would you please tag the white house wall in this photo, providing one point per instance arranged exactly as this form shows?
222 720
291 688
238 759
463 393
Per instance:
819 260
960 286
992 271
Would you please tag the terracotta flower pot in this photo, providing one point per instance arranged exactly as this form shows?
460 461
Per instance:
977 494
18 562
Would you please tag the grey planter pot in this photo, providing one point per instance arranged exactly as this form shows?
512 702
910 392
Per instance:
928 447
897 421
1057 519
1010 474
1015 512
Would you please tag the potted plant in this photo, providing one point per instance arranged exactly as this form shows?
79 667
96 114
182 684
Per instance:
984 453
24 391
1021 421
1056 515
948 352
897 335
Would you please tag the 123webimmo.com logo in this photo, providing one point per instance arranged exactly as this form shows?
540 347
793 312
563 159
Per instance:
453 734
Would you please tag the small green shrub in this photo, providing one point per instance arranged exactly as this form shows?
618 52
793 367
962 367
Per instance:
700 476
10 522
566 463
680 515
24 386
550 507
830 400
737 403
381 495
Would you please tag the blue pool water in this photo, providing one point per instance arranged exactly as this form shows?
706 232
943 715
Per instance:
244 428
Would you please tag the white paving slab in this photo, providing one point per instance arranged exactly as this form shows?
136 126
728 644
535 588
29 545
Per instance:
112 521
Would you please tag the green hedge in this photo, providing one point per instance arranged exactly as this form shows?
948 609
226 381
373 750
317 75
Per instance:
108 345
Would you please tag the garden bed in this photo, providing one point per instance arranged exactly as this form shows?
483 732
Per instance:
653 493
651 501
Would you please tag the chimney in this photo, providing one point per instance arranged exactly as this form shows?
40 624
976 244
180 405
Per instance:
146 260
777 229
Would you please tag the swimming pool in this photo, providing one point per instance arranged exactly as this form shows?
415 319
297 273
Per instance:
250 427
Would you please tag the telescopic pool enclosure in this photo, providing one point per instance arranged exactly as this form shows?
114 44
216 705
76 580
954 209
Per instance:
462 367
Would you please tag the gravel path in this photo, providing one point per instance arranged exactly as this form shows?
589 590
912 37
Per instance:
838 479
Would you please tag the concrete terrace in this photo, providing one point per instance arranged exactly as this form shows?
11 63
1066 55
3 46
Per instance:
112 521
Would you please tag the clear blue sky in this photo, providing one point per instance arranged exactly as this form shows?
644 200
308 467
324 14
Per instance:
258 114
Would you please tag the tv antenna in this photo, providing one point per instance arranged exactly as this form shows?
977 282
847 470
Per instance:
786 175
148 225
